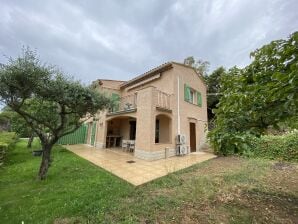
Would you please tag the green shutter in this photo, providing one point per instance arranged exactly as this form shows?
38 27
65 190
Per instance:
199 99
116 99
93 132
186 93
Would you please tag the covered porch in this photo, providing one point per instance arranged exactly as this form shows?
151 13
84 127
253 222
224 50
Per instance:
121 133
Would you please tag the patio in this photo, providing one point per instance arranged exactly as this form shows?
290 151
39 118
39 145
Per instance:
139 171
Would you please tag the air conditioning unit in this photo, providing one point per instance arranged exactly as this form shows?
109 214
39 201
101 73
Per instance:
180 139
182 150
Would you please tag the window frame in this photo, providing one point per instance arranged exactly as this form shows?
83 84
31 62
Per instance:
191 96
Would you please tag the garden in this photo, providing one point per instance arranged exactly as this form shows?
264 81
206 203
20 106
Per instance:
226 189
254 133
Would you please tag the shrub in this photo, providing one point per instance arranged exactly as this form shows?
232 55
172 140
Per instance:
3 149
7 139
228 143
284 147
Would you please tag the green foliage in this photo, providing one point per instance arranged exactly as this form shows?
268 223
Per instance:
4 121
85 193
199 65
283 147
265 93
52 104
17 123
7 139
213 83
3 149
213 91
48 100
229 143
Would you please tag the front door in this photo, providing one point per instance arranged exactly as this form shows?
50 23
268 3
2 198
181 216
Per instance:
192 135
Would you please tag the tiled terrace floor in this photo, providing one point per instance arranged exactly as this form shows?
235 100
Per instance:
140 172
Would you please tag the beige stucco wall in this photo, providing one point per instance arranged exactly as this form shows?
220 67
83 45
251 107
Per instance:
145 119
191 112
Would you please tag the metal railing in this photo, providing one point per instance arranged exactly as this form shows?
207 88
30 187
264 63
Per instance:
161 99
125 103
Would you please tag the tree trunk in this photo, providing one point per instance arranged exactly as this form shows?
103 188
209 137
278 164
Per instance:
45 161
30 140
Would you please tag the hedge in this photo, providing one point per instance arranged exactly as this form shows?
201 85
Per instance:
283 147
7 139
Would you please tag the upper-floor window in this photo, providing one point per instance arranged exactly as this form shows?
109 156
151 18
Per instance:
192 96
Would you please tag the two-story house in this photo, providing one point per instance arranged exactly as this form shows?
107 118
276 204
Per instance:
153 109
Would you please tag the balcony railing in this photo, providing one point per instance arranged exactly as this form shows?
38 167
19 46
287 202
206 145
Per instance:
163 100
126 103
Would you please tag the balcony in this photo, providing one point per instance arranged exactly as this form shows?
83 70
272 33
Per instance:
128 104
125 104
162 100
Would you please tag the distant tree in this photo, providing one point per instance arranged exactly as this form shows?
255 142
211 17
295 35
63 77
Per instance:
19 125
199 65
4 121
52 104
213 92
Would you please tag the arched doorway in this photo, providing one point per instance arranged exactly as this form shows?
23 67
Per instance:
163 124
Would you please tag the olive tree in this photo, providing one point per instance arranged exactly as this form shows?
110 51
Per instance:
52 104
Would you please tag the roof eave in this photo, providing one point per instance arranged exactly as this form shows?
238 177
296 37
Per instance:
156 70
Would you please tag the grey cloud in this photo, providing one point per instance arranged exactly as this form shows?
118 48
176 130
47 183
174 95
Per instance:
121 39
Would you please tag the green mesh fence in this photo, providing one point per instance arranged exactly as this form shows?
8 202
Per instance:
77 137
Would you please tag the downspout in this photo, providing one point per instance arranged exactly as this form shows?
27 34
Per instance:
95 137
178 103
96 129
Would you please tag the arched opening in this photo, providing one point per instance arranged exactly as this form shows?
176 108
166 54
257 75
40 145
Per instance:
163 125
119 129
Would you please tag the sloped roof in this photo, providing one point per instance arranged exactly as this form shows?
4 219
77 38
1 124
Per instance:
159 69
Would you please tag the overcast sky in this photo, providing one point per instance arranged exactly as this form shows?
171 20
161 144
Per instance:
122 39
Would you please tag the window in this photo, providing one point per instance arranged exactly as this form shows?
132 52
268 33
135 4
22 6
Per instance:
186 93
192 96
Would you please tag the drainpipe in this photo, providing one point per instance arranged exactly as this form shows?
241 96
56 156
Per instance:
178 104
96 129
95 137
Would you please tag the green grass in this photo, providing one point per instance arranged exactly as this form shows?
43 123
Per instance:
74 187
228 190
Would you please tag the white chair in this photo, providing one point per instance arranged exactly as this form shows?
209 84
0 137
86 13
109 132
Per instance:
124 145
132 145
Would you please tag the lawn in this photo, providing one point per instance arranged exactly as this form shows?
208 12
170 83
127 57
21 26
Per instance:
222 190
